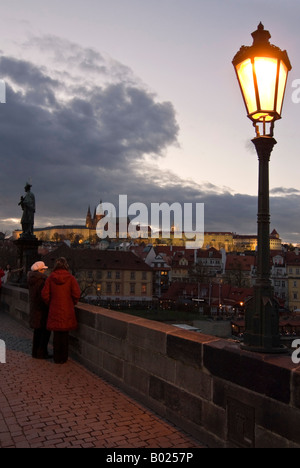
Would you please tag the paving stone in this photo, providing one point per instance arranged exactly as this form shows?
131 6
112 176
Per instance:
46 405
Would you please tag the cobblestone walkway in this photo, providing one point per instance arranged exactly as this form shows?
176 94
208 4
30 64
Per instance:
60 406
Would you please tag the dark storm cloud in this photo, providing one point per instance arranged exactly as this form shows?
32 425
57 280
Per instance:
224 211
66 146
74 57
284 191
25 74
80 127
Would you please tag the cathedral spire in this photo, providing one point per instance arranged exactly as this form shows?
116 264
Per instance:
88 222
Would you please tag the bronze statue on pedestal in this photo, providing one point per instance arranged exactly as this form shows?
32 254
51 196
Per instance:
27 204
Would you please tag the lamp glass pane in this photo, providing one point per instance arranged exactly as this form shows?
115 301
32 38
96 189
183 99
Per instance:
266 75
245 75
262 117
283 72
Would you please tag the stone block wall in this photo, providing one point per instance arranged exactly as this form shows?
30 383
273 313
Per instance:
219 393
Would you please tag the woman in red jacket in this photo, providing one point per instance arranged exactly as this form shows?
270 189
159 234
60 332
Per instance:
61 292
2 274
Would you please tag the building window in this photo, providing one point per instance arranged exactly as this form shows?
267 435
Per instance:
118 288
118 274
109 275
295 295
132 275
144 275
144 289
99 274
295 284
108 288
99 288
132 288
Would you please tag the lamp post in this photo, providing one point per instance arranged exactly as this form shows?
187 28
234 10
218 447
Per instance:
262 71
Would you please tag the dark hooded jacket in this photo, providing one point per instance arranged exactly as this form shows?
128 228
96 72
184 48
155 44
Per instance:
38 313
61 292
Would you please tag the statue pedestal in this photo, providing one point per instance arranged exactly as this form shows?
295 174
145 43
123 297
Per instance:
28 255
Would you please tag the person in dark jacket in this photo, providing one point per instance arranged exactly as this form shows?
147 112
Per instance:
38 311
61 292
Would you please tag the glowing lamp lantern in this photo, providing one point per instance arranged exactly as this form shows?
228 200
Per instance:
262 71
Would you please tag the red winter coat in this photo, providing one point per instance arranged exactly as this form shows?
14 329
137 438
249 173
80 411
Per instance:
1 276
61 292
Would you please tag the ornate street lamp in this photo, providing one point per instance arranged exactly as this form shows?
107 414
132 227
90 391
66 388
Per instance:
262 71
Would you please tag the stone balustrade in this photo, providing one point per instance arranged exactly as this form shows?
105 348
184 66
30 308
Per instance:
208 386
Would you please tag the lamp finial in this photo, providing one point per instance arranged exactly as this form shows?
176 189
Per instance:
261 36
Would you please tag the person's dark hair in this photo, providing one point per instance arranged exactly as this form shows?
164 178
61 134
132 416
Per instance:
61 264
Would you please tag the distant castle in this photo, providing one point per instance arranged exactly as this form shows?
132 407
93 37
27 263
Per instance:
229 241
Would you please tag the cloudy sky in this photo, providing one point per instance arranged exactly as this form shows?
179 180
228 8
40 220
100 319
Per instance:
139 97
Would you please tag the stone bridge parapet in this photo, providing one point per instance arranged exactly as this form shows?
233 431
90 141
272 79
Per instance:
208 386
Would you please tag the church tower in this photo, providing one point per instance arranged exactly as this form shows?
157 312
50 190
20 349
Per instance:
89 222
